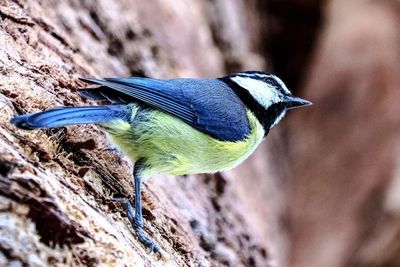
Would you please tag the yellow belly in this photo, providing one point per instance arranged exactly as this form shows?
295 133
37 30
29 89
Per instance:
171 146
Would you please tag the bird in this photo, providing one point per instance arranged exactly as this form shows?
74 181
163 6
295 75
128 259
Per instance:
177 126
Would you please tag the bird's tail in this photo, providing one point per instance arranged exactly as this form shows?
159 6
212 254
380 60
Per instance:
63 116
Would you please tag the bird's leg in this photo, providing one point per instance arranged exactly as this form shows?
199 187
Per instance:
136 219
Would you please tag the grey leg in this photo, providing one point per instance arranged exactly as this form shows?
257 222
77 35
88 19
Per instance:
136 218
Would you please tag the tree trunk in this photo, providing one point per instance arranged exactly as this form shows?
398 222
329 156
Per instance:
322 190
57 185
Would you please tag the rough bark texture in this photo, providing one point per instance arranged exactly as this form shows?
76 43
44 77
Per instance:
323 190
56 185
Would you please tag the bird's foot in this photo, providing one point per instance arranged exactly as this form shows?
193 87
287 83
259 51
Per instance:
137 224
145 240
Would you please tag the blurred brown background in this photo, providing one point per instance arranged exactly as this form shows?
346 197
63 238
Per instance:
322 190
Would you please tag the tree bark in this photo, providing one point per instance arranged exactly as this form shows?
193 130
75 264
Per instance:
56 185
322 190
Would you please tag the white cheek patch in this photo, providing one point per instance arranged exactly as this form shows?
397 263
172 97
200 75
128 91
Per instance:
262 92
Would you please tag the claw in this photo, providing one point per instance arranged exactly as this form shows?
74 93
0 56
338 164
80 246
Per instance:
150 249
137 225
154 249
147 242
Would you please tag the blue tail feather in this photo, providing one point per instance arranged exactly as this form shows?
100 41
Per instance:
63 116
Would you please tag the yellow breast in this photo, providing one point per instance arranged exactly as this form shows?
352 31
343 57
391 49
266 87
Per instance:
171 146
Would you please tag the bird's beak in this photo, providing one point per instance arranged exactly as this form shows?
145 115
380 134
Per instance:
292 101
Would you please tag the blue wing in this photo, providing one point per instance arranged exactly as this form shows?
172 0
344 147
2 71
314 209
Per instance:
208 105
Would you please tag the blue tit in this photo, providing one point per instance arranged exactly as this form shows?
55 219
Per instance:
177 126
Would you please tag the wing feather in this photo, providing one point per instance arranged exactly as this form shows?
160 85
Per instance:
206 104
145 94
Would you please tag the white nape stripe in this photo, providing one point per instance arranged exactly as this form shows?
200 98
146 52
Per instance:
262 92
282 84
262 75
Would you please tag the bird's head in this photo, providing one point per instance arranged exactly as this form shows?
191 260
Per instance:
265 95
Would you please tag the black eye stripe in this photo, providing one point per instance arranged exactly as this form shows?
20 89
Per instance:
259 111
